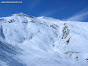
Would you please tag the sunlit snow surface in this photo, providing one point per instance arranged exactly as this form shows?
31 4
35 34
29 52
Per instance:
42 41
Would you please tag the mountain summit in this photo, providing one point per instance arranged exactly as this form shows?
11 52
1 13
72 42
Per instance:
42 41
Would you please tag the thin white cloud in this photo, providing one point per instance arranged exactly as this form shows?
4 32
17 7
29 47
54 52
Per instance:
48 13
78 17
34 4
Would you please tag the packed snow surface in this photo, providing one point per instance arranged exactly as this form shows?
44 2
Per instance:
42 41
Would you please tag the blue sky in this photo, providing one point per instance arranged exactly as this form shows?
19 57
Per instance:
60 9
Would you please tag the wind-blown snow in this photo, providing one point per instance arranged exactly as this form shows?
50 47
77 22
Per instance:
42 41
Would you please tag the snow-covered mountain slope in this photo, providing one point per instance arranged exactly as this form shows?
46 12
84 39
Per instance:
42 41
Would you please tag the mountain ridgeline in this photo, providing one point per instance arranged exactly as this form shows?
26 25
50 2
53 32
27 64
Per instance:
42 41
